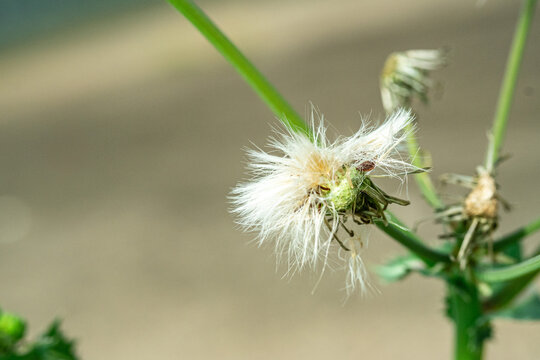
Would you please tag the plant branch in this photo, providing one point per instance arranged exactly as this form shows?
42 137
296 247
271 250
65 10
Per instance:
516 235
509 83
266 91
410 240
511 272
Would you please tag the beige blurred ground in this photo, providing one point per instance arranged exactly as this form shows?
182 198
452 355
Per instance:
120 141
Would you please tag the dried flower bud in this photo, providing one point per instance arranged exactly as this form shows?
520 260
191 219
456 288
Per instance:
482 200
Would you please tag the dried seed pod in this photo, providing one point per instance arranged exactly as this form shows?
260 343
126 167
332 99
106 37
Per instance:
482 200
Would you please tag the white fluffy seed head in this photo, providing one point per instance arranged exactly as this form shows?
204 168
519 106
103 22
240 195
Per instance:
407 74
283 201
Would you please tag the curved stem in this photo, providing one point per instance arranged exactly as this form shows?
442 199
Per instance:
266 91
516 235
511 272
410 240
509 83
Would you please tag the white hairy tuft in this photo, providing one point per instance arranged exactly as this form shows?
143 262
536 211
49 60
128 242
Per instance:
407 74
281 202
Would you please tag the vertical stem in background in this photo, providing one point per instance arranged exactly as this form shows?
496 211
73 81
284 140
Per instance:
251 75
465 306
466 311
509 83
423 179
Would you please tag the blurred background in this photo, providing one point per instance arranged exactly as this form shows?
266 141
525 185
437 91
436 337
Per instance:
121 134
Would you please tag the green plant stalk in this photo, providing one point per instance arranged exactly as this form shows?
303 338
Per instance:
410 240
467 313
423 180
509 83
516 235
511 272
266 91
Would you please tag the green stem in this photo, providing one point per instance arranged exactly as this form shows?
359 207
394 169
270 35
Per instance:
410 240
509 83
268 93
423 180
516 235
511 272
466 311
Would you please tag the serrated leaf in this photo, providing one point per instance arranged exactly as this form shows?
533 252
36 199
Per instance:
528 309
54 345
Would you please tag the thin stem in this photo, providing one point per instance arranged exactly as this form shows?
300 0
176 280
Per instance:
268 93
509 83
516 235
423 180
410 240
511 272
465 244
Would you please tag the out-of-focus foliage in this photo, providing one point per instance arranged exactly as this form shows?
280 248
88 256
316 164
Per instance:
50 345
527 309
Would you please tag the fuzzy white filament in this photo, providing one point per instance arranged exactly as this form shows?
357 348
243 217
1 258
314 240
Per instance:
282 200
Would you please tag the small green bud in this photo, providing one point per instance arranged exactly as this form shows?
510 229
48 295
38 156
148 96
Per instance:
12 327
344 194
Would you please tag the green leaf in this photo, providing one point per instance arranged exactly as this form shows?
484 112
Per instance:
528 309
513 251
54 345
398 268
